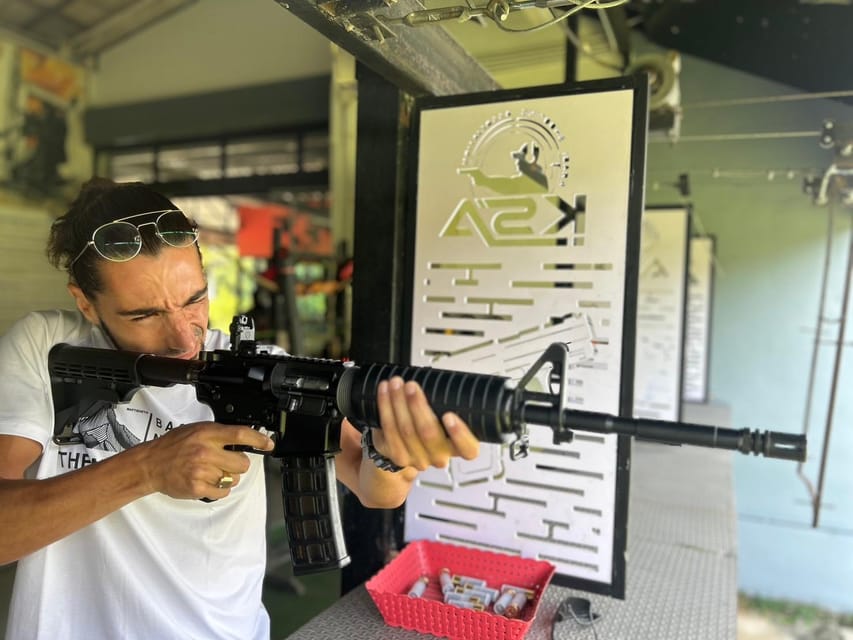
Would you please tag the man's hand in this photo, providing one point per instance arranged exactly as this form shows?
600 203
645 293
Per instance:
187 462
190 461
411 434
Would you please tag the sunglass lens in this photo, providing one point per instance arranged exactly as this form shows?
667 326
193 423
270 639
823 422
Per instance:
118 241
175 229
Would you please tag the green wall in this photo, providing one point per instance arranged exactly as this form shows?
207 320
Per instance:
770 250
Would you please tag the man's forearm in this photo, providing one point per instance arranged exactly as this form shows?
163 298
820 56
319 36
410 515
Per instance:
39 512
380 489
375 488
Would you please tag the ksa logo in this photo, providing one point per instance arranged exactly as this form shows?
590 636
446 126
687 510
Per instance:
520 207
515 221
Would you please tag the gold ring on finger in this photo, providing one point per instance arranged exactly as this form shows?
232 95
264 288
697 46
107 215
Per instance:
225 481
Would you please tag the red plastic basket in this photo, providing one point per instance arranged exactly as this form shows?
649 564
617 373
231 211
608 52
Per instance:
429 614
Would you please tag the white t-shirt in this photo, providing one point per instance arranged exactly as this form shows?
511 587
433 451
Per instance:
156 569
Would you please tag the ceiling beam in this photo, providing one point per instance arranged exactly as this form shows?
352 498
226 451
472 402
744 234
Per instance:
419 60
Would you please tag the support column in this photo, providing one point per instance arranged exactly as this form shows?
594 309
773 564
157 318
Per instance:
371 534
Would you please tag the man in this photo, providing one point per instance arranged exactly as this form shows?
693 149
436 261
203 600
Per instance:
125 548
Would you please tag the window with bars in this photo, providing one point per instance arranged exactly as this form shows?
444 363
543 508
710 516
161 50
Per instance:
229 164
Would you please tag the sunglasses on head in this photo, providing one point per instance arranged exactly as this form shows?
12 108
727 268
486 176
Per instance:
120 240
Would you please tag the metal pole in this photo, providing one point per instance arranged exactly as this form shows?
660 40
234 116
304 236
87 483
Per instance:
833 391
827 262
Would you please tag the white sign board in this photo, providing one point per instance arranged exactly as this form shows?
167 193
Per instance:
698 335
661 299
525 212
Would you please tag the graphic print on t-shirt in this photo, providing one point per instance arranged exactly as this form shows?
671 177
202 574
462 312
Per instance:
104 431
111 429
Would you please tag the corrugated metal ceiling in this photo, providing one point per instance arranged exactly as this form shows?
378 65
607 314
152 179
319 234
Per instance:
803 43
82 28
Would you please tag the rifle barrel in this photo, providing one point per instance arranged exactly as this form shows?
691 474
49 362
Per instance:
771 444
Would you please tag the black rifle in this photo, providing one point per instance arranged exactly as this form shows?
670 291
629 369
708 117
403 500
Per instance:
302 401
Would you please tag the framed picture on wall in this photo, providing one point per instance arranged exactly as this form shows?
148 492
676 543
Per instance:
661 308
524 230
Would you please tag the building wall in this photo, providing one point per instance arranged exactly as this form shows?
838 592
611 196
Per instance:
27 281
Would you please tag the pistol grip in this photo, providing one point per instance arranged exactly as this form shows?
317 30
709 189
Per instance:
311 513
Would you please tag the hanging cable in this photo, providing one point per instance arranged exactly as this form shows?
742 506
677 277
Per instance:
769 173
794 97
578 6
497 10
736 137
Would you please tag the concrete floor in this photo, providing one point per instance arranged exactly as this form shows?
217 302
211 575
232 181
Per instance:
289 610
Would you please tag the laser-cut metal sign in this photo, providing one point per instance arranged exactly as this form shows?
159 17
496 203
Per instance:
700 298
526 231
661 303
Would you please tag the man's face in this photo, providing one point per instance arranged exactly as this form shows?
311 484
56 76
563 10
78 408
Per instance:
152 304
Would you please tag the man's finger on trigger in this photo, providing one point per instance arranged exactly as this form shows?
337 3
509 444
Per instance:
247 437
264 440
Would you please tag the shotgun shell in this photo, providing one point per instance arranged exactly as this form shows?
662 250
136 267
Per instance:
446 580
516 605
419 587
465 602
502 602
467 581
486 595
